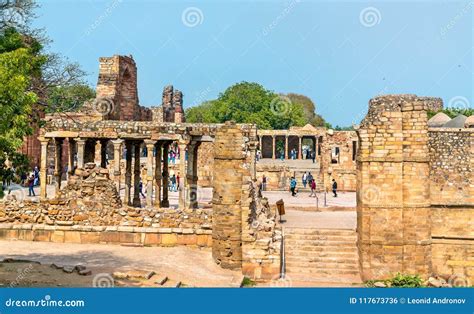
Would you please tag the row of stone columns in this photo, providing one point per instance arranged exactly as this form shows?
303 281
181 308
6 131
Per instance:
299 151
157 175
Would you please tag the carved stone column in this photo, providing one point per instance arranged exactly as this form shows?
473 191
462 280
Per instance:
149 171
166 177
98 153
58 142
183 173
190 186
300 148
43 166
273 147
70 159
128 171
286 147
81 144
136 175
117 157
158 174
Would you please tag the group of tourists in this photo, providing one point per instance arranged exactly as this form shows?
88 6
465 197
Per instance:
308 180
24 178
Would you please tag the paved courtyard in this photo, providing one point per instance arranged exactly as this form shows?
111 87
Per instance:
193 266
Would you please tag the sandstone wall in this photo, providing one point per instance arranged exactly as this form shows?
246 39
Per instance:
393 211
451 166
342 167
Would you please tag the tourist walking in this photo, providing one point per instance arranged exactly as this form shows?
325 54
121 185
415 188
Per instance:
304 179
173 183
264 183
309 178
293 186
36 176
31 184
313 188
177 181
140 187
334 187
313 156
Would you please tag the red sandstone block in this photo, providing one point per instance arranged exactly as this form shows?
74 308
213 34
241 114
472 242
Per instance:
41 235
72 237
187 239
90 237
152 239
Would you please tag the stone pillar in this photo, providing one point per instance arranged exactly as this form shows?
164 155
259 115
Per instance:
260 144
98 153
316 146
117 157
393 201
191 194
183 173
158 174
44 166
128 172
81 145
58 167
166 176
149 171
286 147
300 148
136 175
70 159
273 147
228 195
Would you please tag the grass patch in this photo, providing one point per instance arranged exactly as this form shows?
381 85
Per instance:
247 282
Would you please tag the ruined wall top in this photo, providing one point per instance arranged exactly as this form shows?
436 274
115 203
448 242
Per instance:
399 103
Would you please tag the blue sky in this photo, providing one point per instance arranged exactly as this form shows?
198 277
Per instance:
340 54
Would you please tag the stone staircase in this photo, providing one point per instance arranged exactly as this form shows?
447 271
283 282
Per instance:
322 257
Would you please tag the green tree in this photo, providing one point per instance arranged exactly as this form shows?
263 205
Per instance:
68 98
247 102
453 112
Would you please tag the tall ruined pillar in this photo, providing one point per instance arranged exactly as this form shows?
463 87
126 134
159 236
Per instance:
44 166
158 174
273 147
191 177
136 175
128 172
81 145
228 190
98 153
166 176
149 172
117 157
393 207
58 171
183 173
70 156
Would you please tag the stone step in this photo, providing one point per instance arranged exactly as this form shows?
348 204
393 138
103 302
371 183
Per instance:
315 243
321 237
322 265
323 253
312 231
322 272
309 260
323 281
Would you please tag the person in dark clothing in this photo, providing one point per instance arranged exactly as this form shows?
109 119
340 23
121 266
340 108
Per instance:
31 181
264 183
140 187
313 156
293 186
334 187
310 178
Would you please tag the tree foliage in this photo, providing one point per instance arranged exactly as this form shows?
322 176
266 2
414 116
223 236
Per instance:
249 103
453 112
